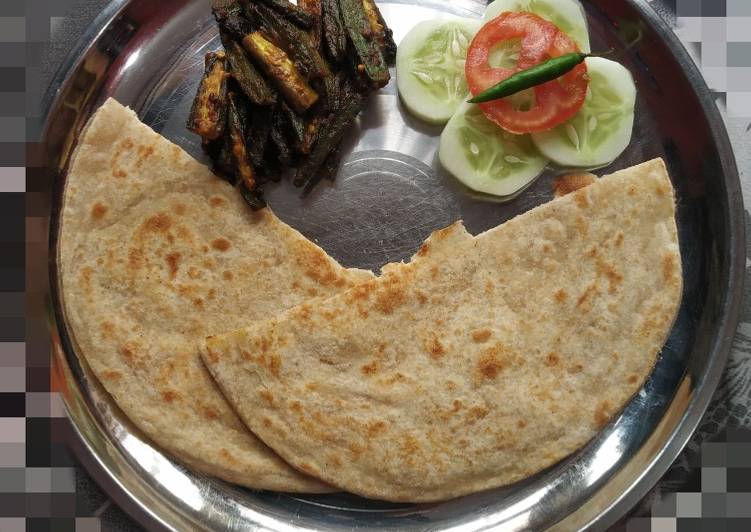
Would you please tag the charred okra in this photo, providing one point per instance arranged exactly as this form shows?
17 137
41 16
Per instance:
254 198
223 163
251 81
311 6
224 9
328 170
259 20
278 66
291 12
272 169
209 111
291 80
236 131
372 62
334 34
330 136
331 165
295 42
381 32
312 130
229 16
314 8
257 135
279 138
295 124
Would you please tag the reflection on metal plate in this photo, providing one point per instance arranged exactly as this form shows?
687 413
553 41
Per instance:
390 194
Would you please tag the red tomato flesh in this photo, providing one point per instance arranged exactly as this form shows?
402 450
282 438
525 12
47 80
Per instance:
555 101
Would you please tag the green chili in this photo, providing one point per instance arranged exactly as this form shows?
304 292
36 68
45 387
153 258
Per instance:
530 77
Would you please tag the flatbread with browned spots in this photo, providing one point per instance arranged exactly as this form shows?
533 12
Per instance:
156 253
480 362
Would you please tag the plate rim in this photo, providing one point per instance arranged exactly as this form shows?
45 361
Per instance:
85 449
733 291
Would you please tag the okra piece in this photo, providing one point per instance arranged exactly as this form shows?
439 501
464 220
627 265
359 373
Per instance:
314 8
260 21
223 163
312 130
278 66
348 88
291 12
326 88
208 114
253 197
295 41
328 170
381 32
271 169
295 124
279 139
223 9
257 134
229 16
236 130
211 147
372 62
334 90
252 83
331 165
330 136
334 34
311 6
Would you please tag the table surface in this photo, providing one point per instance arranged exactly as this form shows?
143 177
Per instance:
712 477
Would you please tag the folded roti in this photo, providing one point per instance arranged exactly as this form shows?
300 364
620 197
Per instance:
482 361
155 254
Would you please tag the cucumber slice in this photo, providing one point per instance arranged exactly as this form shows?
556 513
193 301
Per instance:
601 130
430 67
568 15
486 158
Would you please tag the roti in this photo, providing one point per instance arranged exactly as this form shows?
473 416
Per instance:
481 361
156 253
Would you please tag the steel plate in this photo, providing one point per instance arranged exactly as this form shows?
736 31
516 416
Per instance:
390 195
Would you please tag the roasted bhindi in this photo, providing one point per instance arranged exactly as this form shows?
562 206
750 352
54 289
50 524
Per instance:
330 136
208 114
311 6
279 138
295 41
272 169
279 67
290 82
291 12
316 31
295 124
236 131
381 32
229 16
252 83
366 44
257 133
331 165
334 34
328 171
223 9
221 151
312 130
254 198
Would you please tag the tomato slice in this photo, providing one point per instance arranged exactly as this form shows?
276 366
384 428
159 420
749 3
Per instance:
555 101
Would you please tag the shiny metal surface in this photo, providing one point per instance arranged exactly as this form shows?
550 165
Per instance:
389 196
